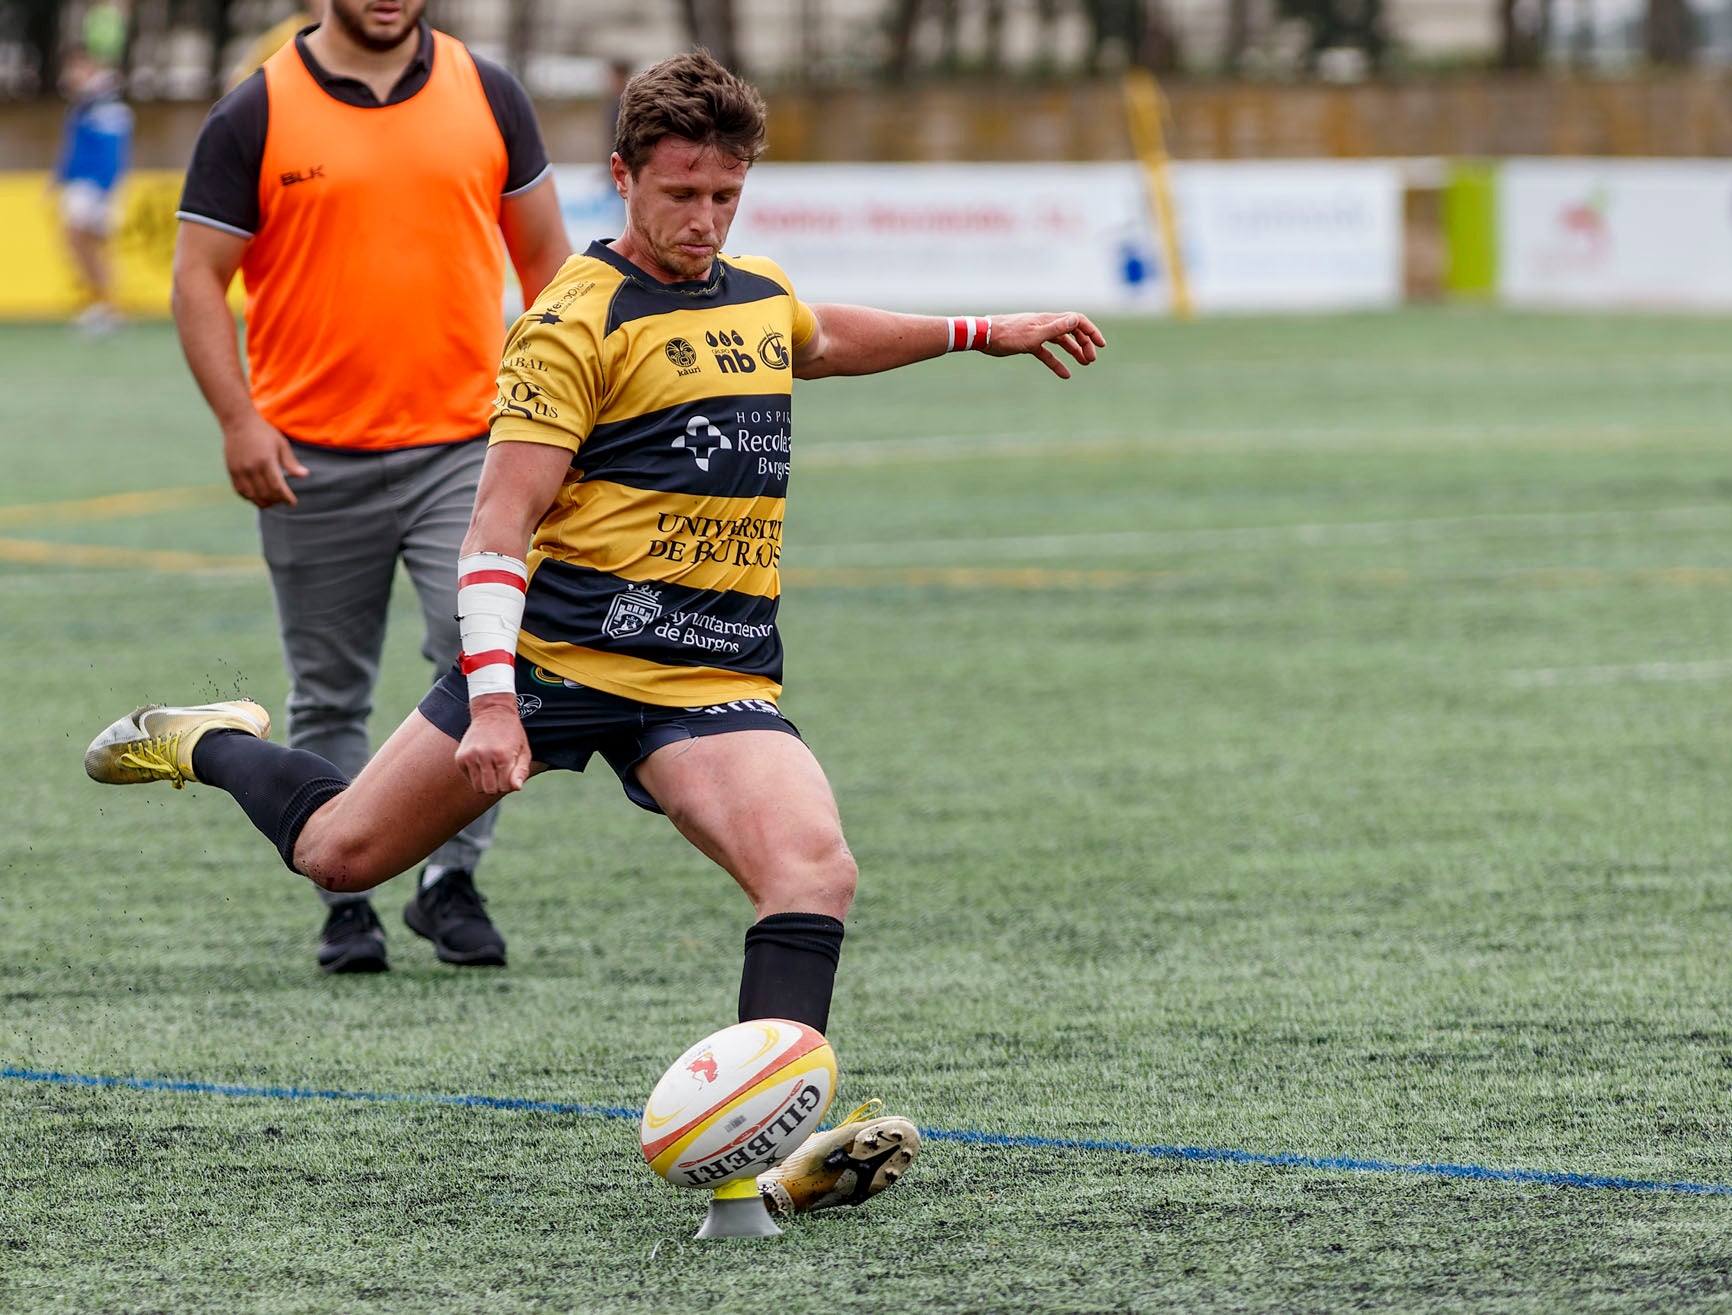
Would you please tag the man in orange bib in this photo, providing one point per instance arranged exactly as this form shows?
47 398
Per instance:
360 182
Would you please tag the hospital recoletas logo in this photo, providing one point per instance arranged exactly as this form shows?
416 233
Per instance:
702 440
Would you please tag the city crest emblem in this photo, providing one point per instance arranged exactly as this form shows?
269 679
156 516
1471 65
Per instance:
631 612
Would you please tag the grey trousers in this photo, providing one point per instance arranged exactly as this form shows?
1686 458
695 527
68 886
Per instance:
332 559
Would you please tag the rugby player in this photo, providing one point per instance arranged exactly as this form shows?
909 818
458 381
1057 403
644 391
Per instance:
618 584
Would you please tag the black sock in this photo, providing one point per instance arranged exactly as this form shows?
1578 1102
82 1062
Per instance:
277 787
790 968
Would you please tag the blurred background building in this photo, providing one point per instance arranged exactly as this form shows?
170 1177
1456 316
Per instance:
183 49
1016 79
1445 93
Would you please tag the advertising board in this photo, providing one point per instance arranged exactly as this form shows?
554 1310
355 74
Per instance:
1289 235
1255 236
1611 233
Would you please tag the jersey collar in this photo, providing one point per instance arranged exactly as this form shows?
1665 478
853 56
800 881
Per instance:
602 252
352 91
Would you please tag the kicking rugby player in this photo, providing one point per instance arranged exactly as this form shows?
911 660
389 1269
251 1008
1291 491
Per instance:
619 582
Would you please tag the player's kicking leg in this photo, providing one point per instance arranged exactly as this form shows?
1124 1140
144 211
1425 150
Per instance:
758 803
410 798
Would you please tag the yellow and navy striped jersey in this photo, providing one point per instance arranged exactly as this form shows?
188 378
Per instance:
654 573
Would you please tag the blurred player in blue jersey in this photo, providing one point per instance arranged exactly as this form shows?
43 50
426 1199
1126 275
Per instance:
94 152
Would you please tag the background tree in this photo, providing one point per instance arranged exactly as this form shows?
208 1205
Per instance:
904 15
40 31
710 24
1669 32
1158 46
1332 24
1238 35
1524 32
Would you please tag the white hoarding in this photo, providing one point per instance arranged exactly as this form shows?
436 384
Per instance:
985 237
1583 233
1291 234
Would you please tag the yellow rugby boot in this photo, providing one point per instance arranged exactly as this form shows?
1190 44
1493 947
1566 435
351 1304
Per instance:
156 743
858 1158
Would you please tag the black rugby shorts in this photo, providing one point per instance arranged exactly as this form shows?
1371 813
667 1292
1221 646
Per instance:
568 723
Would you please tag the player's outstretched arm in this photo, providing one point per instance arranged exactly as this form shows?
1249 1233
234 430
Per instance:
851 340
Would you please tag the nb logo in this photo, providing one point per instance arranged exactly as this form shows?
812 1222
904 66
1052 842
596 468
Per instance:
729 358
702 440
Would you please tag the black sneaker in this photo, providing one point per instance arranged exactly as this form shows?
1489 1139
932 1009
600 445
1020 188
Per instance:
450 913
353 941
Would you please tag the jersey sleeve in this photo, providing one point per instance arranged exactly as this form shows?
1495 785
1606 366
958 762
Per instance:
550 379
526 162
222 182
805 322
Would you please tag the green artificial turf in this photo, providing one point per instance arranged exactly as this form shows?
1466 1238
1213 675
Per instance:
1298 737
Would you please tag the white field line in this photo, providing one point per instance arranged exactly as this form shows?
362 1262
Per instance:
1075 442
1443 528
1635 673
99 583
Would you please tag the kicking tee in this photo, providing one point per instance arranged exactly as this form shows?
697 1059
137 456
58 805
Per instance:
654 575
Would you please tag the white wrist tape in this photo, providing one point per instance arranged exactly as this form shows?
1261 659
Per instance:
490 589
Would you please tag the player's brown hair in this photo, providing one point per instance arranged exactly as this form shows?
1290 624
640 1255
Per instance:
692 97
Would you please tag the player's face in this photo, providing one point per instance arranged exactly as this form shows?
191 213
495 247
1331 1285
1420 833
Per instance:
377 25
75 73
679 207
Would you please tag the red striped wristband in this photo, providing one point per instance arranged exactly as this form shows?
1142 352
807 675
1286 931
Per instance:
969 332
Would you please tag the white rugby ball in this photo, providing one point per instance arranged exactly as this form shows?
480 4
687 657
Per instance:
738 1102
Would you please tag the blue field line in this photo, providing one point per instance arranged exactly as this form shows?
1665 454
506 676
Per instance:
1199 1154
514 1103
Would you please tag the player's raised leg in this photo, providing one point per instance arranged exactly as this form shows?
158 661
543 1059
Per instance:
409 799
343 835
758 803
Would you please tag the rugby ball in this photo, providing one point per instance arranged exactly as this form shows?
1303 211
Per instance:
738 1102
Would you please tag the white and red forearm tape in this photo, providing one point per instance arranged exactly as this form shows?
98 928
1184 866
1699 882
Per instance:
970 333
490 588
